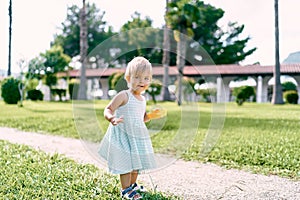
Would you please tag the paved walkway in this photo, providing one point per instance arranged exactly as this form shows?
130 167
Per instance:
191 180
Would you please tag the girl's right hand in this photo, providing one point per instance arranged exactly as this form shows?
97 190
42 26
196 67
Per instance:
115 121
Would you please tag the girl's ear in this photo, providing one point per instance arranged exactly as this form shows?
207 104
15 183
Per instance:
127 78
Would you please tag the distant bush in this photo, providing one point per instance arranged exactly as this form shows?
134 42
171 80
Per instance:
243 93
35 95
117 82
291 96
207 94
10 91
32 84
154 89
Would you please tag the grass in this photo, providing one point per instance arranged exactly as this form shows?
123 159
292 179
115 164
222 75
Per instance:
29 174
259 137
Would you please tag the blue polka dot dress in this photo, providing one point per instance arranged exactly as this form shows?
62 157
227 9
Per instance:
127 146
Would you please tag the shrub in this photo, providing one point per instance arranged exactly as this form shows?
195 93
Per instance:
117 82
154 89
10 91
243 93
35 95
291 96
32 84
207 94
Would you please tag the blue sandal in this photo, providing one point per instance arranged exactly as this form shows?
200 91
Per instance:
138 188
131 194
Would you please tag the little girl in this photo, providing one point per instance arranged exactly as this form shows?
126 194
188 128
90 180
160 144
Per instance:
126 145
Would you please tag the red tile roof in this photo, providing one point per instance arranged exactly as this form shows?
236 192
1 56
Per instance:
207 70
240 70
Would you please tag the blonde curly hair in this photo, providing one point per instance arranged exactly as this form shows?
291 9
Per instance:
138 66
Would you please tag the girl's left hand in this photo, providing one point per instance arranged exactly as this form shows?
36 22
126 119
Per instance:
157 113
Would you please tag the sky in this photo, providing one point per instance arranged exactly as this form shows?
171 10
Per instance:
36 21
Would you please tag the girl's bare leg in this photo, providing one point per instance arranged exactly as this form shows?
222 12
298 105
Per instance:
134 175
125 180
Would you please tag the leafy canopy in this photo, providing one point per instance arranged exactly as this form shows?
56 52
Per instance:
199 21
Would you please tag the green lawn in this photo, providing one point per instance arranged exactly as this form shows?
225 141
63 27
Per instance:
260 137
29 174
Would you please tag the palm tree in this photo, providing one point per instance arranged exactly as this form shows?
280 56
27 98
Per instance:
83 53
166 58
277 89
181 16
10 34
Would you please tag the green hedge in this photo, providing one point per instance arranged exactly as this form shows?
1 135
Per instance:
35 95
291 96
10 91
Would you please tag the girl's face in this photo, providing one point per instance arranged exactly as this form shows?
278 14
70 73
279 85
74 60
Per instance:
140 82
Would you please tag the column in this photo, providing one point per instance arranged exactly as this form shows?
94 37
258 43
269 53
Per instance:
259 86
262 89
223 90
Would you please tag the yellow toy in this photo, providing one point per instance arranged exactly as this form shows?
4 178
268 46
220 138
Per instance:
156 113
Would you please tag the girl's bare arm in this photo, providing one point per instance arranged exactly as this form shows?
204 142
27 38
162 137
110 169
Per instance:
119 100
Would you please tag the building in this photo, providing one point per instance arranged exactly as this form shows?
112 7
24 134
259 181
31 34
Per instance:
221 75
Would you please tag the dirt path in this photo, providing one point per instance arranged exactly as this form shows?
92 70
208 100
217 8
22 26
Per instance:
191 180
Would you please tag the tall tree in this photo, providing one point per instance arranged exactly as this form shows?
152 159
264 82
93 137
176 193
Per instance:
97 28
222 44
182 15
83 53
277 89
10 35
47 64
166 58
138 38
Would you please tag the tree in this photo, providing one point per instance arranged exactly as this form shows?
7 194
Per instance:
47 64
288 86
166 58
277 89
22 82
206 32
83 53
55 60
139 38
97 29
222 45
181 17
10 35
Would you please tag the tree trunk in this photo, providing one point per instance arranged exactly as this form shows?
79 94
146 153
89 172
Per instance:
180 62
277 89
166 60
10 35
82 93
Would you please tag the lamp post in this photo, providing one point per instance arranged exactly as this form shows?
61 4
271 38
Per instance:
10 35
